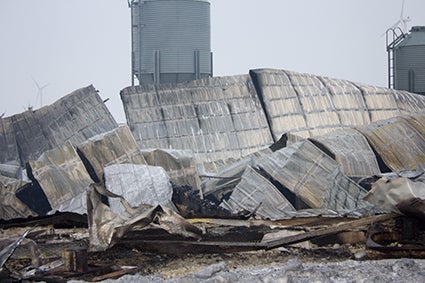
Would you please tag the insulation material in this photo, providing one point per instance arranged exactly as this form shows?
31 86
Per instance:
386 193
308 105
106 227
257 195
314 177
180 165
219 119
400 146
63 178
12 207
139 185
114 147
351 151
75 118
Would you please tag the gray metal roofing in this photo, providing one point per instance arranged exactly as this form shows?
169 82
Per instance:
220 119
398 142
75 118
307 105
352 152
314 177
227 118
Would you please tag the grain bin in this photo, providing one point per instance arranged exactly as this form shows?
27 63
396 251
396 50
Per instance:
170 40
409 61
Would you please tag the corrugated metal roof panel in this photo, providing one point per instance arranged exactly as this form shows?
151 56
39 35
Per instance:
63 178
256 194
309 105
398 143
75 117
314 177
114 147
8 146
352 152
219 119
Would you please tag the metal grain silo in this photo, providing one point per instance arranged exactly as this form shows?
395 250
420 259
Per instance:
170 40
409 61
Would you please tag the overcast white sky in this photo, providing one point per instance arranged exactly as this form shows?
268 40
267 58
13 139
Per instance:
71 44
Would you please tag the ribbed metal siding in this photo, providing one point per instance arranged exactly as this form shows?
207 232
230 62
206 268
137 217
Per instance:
410 58
175 28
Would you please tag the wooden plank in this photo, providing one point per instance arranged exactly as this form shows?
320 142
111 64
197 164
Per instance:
328 230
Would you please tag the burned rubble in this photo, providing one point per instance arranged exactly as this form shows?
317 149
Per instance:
244 163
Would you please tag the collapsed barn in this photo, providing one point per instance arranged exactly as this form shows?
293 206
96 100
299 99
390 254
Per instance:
271 145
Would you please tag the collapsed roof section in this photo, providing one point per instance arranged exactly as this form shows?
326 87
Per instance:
312 176
220 119
307 105
351 151
75 118
227 118
400 144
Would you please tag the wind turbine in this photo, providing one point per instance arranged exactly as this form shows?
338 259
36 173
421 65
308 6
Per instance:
39 92
402 21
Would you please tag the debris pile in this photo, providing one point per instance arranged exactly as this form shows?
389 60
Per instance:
251 162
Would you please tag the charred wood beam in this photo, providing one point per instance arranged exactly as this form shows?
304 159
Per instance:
328 230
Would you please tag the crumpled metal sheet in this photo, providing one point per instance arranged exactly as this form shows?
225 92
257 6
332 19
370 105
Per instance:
259 196
8 147
314 177
181 166
417 121
220 119
12 207
114 147
351 151
75 118
386 193
399 144
139 185
225 181
63 178
106 227
307 105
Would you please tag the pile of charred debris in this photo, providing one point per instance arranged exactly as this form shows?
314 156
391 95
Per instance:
74 185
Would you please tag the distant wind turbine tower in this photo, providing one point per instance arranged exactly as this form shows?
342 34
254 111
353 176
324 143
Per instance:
39 92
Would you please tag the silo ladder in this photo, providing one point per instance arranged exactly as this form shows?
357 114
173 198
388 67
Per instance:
396 35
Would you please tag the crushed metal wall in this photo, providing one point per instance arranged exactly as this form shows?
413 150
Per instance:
227 118
219 119
75 118
307 105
